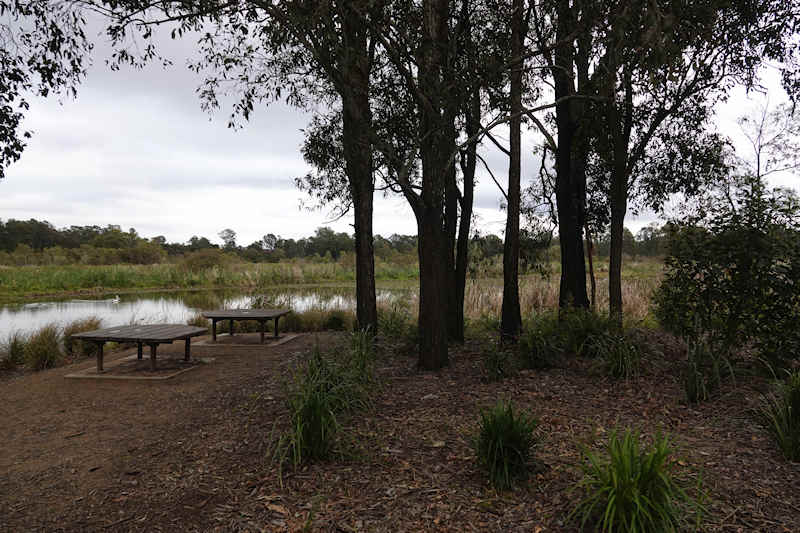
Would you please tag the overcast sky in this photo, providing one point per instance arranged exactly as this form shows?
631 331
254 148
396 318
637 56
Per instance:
135 149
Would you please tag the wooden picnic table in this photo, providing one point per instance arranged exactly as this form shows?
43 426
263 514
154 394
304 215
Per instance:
152 335
261 315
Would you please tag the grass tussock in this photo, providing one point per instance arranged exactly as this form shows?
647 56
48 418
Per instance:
780 413
324 388
504 444
633 489
75 347
12 351
43 348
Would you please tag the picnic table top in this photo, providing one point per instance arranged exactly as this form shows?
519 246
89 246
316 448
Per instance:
142 333
245 313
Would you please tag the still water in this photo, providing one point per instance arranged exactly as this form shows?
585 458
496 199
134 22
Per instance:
171 307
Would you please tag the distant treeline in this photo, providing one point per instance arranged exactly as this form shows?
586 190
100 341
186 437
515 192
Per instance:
34 242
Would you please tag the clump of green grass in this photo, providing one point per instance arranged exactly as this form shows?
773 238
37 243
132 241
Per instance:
394 323
780 412
704 369
619 355
504 444
75 346
12 351
336 320
633 489
323 389
578 329
43 348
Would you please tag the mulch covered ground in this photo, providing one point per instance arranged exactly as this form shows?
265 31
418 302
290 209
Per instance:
193 453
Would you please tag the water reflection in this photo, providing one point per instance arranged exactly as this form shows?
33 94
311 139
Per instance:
173 307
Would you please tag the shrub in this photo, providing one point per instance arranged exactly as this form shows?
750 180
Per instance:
504 443
43 348
541 344
12 351
336 320
780 412
632 490
498 363
75 346
737 294
579 327
204 260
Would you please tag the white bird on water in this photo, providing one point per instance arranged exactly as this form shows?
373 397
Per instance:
115 299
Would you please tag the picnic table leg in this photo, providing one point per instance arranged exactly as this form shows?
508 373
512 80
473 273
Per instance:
231 328
276 325
139 351
263 327
100 357
214 329
187 349
153 356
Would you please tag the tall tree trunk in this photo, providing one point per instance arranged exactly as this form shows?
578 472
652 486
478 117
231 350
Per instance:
619 205
469 162
356 122
511 319
455 315
570 158
429 209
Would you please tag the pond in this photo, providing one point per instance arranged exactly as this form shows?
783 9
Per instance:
174 307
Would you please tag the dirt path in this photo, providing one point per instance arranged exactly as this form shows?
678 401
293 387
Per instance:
192 453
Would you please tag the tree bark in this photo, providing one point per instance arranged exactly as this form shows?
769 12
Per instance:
511 319
469 162
571 155
429 206
619 205
592 280
359 166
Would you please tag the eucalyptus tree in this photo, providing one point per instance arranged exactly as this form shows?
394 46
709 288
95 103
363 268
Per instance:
43 50
660 67
305 52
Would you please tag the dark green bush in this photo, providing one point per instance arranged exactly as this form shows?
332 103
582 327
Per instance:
499 363
78 347
780 412
504 444
336 320
43 348
632 489
199 321
541 344
732 275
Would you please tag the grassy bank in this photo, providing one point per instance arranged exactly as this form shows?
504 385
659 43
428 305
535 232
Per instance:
19 283
22 282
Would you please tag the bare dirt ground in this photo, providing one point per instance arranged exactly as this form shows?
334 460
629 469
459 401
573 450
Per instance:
192 453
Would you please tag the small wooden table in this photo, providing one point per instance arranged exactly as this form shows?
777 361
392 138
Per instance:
261 315
152 335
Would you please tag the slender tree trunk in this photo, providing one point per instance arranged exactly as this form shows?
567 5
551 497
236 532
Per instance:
592 280
619 205
469 161
356 122
511 319
455 315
